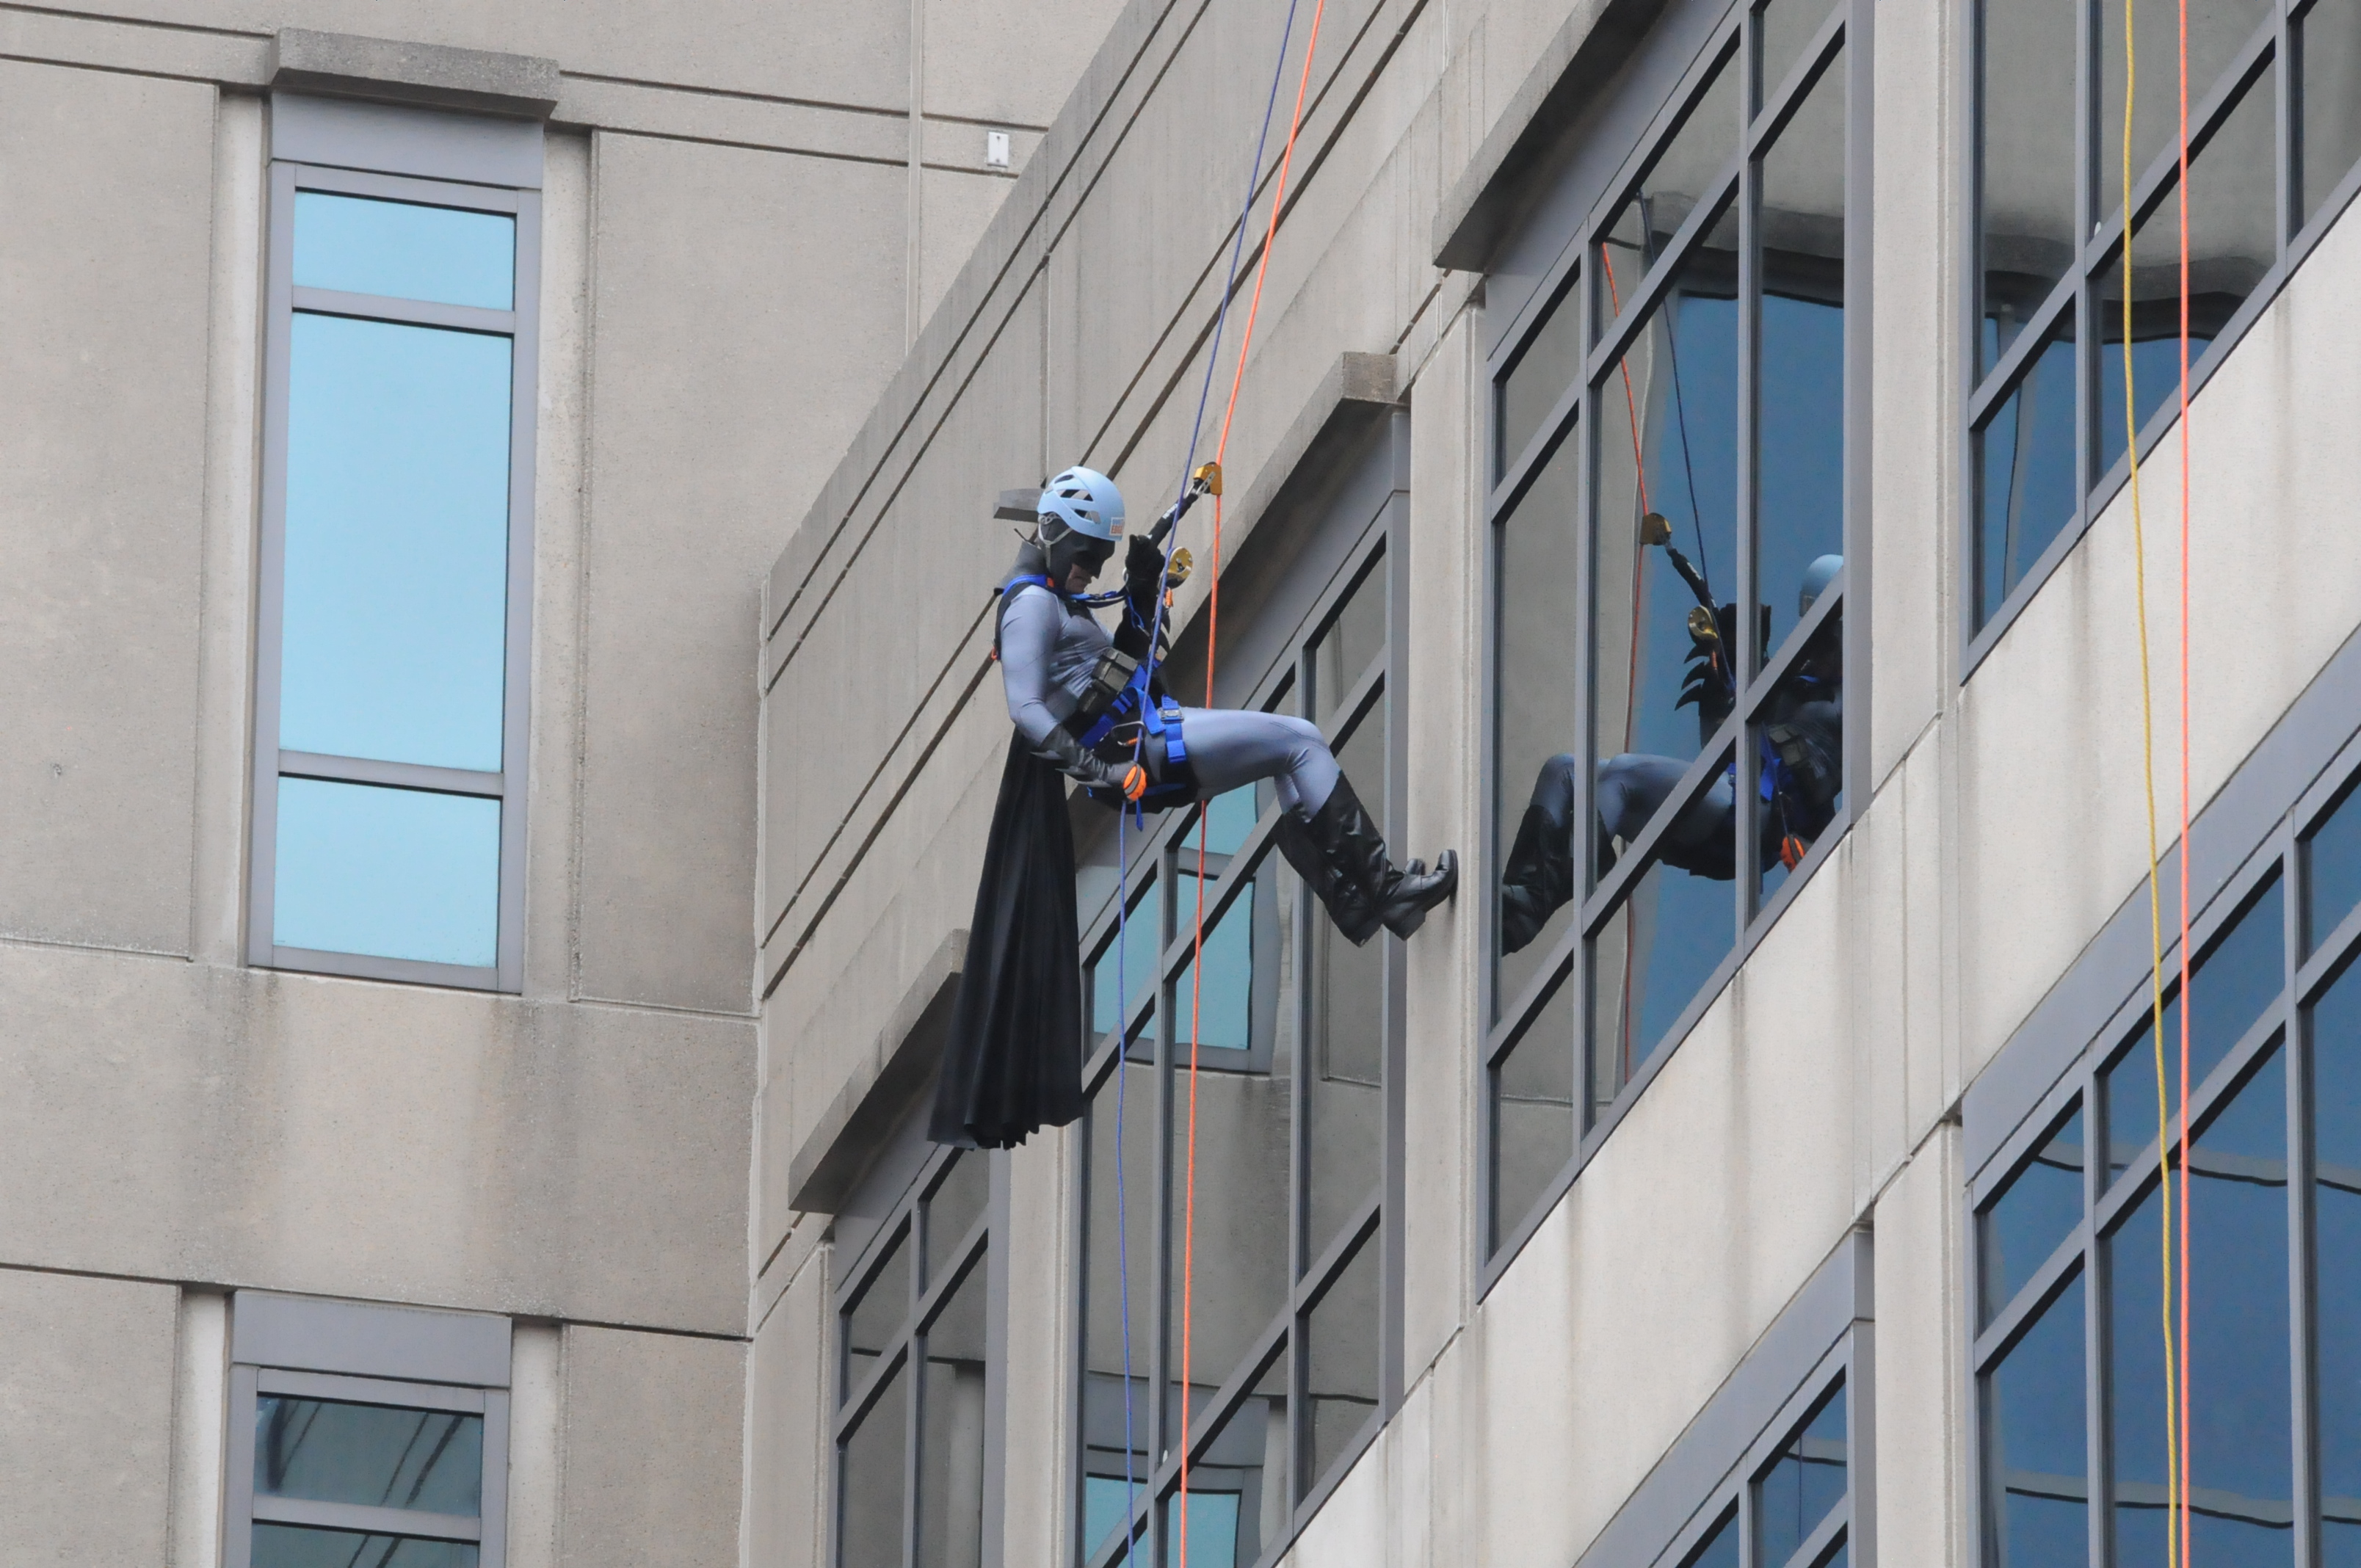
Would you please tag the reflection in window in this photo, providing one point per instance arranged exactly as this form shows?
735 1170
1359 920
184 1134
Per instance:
1340 1376
2330 47
2024 470
1804 1483
2027 237
2018 1231
1664 941
295 1546
1533 773
2037 1492
2332 864
375 1456
2336 1253
1679 177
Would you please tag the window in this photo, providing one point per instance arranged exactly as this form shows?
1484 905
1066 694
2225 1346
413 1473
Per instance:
917 1376
365 1434
392 698
1770 1473
1669 412
2275 132
2069 1254
1286 1373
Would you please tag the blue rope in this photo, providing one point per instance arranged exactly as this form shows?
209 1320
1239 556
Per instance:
1123 863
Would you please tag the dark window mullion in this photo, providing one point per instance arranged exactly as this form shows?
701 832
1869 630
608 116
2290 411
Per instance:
1747 621
915 1413
2303 1405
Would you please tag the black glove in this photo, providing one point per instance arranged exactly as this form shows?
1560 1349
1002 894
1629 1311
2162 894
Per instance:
1707 683
1088 768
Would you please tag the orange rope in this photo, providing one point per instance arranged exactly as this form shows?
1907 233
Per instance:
1212 631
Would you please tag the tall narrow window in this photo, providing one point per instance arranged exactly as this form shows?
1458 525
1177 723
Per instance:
391 705
2274 138
1276 1367
1669 522
916 1375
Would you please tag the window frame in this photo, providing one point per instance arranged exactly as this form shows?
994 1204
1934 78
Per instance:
2099 223
2268 835
405 1358
509 785
905 1221
1605 338
1374 545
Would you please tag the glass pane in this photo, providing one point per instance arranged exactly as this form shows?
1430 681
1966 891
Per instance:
1119 1294
1539 556
2216 32
2025 471
405 251
2027 126
330 1452
2230 249
1344 652
1245 1120
1127 962
869 1470
2018 1231
2235 981
396 631
1799 756
1718 1550
954 1209
1532 1112
1799 419
1228 819
2337 1192
1210 1532
293 1546
2330 53
1237 1484
2240 1435
878 1312
1550 363
1683 173
1664 939
396 874
1340 1362
2332 864
1787 25
2036 1479
951 1447
1668 449
1804 1482
1235 1006
1343 1121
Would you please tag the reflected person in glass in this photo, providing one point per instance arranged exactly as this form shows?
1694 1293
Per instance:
1801 770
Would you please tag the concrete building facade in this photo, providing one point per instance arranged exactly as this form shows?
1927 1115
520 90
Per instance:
530 1073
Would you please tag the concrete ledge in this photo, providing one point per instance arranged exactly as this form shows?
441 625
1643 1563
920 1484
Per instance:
432 74
1581 57
878 1091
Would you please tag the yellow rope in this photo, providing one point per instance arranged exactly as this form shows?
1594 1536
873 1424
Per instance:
2148 764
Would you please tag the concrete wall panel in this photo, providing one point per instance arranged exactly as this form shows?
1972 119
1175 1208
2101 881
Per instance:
788 1453
735 339
103 479
1921 1362
390 1142
86 1381
652 1437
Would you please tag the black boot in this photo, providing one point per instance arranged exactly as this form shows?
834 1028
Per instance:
1538 877
1341 855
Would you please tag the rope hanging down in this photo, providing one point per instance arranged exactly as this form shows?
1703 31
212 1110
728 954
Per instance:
1123 863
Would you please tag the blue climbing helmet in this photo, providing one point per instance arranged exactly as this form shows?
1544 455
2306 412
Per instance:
1086 501
1817 578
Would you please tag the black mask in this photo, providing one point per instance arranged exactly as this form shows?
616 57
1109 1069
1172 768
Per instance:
1071 548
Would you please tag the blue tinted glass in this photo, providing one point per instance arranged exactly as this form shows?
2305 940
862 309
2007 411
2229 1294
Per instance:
2240 1435
2336 1132
2242 975
405 251
397 543
1222 1007
2331 859
394 874
2035 1211
290 1546
2025 453
1720 1548
1228 819
1213 1528
1803 1483
378 1456
1128 960
1659 948
2037 1478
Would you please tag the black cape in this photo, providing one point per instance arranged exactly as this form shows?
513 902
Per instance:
1012 1059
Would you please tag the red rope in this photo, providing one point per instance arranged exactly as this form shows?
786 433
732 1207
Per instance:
2188 1002
1212 631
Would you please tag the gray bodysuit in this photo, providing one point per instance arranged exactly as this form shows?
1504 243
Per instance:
1049 647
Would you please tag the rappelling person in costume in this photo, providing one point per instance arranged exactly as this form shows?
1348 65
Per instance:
1088 705
1800 769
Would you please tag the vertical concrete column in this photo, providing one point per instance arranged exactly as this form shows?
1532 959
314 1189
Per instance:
1922 1395
200 1405
1445 699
